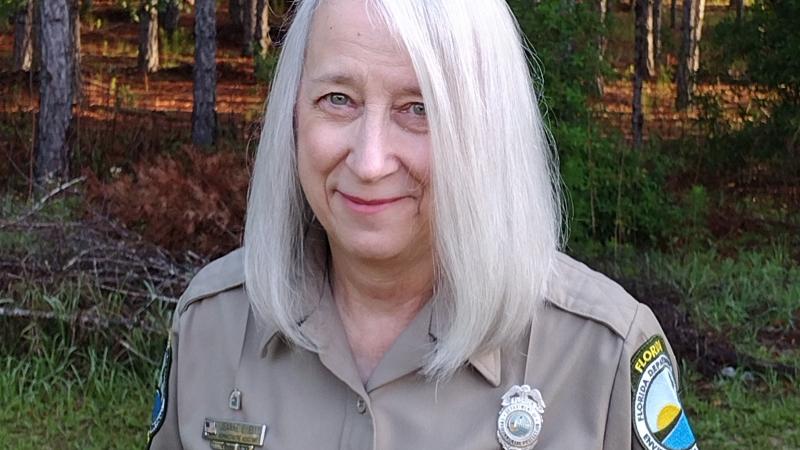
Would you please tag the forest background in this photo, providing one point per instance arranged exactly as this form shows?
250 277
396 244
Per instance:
128 129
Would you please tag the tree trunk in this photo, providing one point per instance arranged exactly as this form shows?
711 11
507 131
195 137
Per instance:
55 92
684 78
602 42
641 10
697 32
249 22
172 14
262 38
235 12
672 13
657 35
739 4
148 36
650 36
204 114
23 38
75 25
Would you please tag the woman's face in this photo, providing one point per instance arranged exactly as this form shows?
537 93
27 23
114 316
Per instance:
363 146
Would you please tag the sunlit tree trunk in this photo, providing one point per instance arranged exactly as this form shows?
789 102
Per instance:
148 36
697 32
55 92
23 37
262 38
641 12
650 36
204 114
689 60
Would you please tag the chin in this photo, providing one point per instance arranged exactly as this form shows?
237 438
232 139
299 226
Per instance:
376 246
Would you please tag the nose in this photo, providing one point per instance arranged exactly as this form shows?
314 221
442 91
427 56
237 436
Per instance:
371 157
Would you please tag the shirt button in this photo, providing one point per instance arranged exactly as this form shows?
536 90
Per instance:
361 406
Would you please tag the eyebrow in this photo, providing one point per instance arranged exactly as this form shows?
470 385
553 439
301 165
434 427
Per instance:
352 81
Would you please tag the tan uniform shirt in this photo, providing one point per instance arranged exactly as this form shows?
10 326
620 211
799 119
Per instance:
578 355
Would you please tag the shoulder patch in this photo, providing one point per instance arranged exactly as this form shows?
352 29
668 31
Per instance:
659 420
162 393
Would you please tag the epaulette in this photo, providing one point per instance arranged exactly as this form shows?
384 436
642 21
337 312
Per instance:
220 275
580 290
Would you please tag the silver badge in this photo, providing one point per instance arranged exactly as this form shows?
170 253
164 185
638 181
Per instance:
520 420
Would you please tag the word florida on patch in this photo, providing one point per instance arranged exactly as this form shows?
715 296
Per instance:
659 420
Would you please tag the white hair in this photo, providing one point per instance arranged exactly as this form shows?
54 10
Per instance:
497 216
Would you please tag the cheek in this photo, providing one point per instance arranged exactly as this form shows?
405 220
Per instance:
417 156
319 150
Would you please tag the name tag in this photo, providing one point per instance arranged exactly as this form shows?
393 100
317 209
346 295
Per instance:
230 435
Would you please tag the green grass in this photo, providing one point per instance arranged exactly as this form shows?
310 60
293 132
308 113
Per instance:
66 399
732 413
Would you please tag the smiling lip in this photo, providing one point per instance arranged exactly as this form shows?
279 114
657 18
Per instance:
368 205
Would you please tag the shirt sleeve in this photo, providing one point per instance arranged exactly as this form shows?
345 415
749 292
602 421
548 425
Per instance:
645 404
163 432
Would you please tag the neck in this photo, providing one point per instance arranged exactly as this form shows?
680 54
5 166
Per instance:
377 301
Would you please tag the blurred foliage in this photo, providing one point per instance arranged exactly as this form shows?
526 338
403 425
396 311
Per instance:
615 194
265 66
8 8
760 50
763 46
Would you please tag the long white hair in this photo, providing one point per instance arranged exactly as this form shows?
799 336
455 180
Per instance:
497 215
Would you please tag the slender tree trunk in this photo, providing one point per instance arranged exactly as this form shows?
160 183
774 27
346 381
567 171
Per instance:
672 13
235 11
204 114
657 35
172 14
650 36
684 78
55 92
249 21
23 38
739 4
602 42
262 38
75 25
641 10
697 32
148 36
689 62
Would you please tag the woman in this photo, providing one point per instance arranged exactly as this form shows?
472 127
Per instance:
400 285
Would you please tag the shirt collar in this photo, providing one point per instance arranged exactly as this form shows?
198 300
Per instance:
324 328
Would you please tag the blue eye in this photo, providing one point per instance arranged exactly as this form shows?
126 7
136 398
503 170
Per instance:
338 99
418 109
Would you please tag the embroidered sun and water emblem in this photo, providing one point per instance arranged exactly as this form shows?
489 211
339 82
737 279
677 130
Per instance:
520 420
658 416
160 402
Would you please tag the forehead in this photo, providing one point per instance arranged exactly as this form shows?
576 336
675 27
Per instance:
346 34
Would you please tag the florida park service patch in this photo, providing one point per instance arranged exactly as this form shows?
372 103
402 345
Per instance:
659 420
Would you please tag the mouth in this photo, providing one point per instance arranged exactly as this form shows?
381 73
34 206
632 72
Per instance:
369 205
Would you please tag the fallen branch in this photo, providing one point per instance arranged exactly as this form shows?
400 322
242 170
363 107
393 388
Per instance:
43 201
